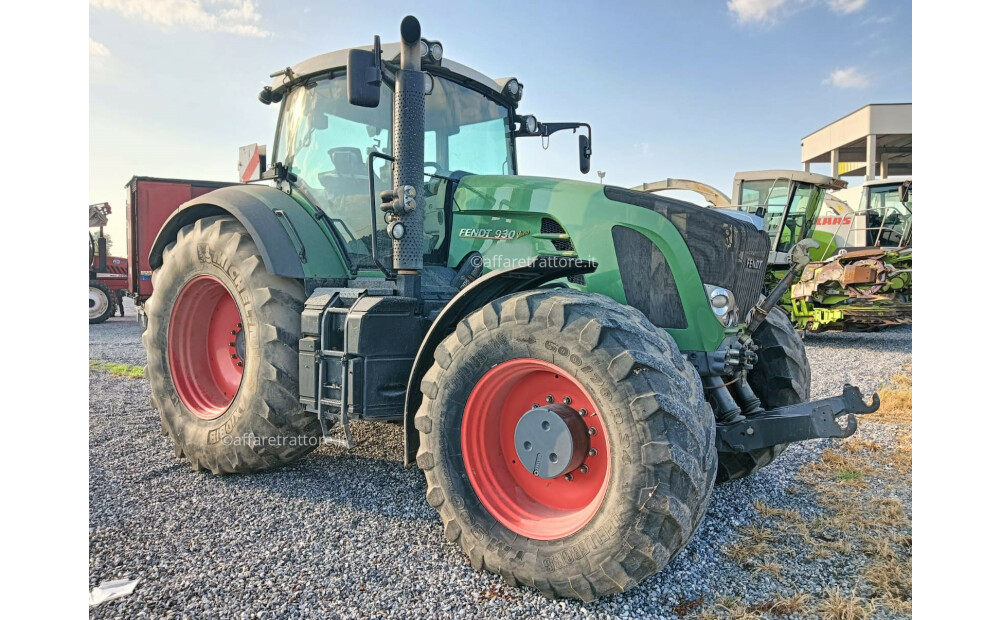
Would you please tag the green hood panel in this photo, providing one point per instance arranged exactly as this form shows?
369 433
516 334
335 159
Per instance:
502 218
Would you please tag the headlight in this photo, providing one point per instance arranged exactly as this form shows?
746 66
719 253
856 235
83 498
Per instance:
723 304
514 88
437 52
530 124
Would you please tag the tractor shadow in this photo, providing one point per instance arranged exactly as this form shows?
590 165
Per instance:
898 339
370 478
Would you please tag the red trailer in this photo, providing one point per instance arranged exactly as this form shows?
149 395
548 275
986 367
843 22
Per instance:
149 202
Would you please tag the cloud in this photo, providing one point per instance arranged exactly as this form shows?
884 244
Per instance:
239 17
768 11
847 78
847 6
98 49
755 10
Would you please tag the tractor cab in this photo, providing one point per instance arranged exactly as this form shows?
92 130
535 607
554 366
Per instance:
788 200
878 214
888 212
338 155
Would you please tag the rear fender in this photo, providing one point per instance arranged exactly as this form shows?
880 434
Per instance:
267 214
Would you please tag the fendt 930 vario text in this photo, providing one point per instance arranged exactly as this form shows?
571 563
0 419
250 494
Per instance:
574 366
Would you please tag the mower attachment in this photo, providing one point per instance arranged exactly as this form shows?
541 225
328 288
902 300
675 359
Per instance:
799 422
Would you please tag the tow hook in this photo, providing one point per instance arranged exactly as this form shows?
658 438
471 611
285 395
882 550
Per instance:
812 420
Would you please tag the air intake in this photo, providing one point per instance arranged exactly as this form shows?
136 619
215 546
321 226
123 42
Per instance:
552 227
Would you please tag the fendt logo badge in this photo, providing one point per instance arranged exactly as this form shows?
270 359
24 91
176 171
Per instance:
754 263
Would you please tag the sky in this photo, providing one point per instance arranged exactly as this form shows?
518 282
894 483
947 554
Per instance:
672 89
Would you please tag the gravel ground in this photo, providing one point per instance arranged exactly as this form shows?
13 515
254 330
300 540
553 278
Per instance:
350 534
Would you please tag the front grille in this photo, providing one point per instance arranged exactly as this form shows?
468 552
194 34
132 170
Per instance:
727 252
649 284
552 227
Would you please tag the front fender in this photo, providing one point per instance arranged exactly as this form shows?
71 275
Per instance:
266 212
480 292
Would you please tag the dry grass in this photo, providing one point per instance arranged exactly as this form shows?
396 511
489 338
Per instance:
743 552
771 568
783 605
838 606
897 401
874 531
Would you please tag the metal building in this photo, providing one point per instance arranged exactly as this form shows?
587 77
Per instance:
875 141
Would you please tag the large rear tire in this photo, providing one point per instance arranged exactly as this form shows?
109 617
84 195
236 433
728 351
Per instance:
781 377
102 302
651 458
221 342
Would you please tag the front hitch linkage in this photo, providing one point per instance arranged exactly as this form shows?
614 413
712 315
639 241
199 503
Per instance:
812 420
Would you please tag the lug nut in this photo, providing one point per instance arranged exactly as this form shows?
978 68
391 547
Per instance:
549 399
584 469
569 477
583 411
240 364
592 431
592 452
232 344
233 332
534 405
234 356
240 325
567 400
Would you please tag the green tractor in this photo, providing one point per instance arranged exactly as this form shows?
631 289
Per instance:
574 366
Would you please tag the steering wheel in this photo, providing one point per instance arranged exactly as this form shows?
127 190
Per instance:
433 164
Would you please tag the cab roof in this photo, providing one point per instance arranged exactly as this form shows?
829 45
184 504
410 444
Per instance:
820 180
331 61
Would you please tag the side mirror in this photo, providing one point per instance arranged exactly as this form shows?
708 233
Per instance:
584 154
364 76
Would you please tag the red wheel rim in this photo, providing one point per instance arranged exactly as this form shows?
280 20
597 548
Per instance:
205 347
538 508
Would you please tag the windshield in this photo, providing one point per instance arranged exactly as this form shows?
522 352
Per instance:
773 196
888 217
325 142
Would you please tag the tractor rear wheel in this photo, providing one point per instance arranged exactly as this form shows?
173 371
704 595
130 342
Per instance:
102 302
567 444
221 344
781 377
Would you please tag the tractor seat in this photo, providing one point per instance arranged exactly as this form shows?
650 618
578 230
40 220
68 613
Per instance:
349 176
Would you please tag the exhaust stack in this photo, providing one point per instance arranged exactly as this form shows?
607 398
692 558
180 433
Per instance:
408 148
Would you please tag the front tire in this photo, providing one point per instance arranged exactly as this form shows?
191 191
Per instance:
781 377
221 343
101 302
647 485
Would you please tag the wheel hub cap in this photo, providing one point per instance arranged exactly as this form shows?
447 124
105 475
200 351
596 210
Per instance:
509 407
551 441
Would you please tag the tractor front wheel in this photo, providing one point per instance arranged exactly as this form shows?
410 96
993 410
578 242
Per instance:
781 377
221 341
567 444
102 302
